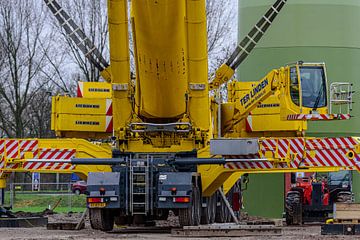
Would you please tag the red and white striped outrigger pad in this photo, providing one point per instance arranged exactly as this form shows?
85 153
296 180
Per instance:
317 117
16 149
304 152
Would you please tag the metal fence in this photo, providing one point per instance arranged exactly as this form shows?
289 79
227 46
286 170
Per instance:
35 197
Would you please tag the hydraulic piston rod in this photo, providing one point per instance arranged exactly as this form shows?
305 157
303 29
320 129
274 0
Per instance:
116 161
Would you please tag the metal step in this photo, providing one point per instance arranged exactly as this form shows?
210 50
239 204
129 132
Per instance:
139 186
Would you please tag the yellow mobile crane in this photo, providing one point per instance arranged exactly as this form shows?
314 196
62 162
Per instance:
166 155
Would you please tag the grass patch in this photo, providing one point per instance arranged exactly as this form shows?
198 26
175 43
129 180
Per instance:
57 210
39 202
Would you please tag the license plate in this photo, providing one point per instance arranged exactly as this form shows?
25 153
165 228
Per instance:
97 205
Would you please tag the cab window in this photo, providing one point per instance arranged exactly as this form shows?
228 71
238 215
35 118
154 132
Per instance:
294 86
313 86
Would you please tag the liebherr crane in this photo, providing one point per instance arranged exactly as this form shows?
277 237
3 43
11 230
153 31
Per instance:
166 156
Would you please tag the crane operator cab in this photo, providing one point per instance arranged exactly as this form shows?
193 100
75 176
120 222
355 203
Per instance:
308 85
306 92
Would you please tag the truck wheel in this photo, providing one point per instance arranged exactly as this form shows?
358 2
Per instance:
208 212
191 216
344 197
101 219
162 214
293 208
213 208
228 216
221 211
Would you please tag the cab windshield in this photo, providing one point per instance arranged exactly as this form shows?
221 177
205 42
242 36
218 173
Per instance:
313 86
339 176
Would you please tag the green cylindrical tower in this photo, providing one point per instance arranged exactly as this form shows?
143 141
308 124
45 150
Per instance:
313 31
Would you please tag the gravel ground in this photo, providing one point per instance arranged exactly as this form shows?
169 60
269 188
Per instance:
307 232
41 233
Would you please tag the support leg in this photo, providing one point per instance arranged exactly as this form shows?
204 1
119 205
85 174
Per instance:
2 196
2 191
228 205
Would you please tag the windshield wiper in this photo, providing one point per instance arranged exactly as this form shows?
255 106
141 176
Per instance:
317 100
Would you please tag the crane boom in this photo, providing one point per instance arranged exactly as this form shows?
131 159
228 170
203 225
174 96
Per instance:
77 35
227 70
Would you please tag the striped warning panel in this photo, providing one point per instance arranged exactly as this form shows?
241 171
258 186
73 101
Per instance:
47 166
315 117
285 148
109 108
249 123
251 165
277 147
2 163
332 152
12 148
330 143
52 153
2 153
2 146
9 148
28 146
56 153
313 152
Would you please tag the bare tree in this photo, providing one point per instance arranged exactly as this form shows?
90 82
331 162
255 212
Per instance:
221 31
21 28
59 69
39 115
91 16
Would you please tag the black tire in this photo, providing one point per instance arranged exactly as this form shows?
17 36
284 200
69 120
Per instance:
221 211
101 219
293 208
213 208
191 216
197 207
228 215
208 212
344 197
77 191
162 214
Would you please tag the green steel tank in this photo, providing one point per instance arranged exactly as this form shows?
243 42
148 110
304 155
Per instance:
312 31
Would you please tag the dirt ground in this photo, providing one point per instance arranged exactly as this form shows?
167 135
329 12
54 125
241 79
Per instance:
41 233
307 232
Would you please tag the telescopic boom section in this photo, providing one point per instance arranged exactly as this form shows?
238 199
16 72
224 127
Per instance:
227 70
77 35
